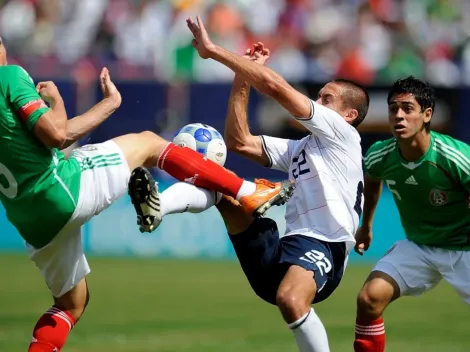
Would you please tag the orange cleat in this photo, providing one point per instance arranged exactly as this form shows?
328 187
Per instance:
267 194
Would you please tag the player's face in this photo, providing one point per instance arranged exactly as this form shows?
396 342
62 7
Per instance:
3 54
405 116
330 96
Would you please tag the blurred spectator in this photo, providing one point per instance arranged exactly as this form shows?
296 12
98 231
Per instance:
371 41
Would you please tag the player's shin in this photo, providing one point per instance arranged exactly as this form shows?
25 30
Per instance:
189 166
183 197
310 334
51 331
370 335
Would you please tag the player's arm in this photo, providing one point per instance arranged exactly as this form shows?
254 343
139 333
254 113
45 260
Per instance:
237 132
48 124
83 124
372 191
260 77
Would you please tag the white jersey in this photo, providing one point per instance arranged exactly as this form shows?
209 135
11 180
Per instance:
327 169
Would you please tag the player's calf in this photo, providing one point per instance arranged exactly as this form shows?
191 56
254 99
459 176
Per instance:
143 190
52 329
379 290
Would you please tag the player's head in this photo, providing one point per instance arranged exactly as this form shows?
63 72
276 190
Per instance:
411 104
347 98
3 53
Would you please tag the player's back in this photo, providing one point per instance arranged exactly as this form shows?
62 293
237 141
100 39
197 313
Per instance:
432 193
327 169
31 190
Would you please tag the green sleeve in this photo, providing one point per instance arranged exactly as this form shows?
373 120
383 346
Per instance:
22 95
373 161
462 161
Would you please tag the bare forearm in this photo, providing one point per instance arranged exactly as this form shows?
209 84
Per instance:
372 192
236 124
260 77
59 114
83 124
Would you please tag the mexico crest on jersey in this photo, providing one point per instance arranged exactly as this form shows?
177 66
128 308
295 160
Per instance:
438 197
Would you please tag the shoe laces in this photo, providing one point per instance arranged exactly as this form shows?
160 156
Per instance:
264 182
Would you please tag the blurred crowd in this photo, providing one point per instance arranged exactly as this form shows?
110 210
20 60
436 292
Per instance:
371 41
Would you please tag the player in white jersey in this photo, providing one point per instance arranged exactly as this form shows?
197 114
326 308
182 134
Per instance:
306 264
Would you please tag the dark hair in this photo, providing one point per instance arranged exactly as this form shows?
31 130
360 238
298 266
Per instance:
421 90
356 97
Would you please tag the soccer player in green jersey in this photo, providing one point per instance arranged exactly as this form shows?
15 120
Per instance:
428 174
48 198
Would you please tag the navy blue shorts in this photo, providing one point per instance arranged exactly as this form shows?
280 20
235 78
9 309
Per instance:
265 259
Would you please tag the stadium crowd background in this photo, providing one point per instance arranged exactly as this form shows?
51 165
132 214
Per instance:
371 41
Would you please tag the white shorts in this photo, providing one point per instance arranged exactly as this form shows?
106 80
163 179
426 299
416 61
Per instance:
417 269
104 179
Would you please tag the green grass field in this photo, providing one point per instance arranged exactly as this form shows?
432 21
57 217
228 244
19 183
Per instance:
194 306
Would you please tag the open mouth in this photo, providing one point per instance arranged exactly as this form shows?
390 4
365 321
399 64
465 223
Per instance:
399 128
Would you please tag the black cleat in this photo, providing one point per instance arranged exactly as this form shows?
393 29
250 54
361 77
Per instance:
143 191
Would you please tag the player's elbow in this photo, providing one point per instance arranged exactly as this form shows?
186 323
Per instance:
273 84
57 139
234 145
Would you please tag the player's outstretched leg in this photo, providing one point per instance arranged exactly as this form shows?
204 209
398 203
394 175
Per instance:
379 290
149 150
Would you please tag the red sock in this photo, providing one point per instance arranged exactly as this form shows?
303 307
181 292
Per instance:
51 331
370 336
189 166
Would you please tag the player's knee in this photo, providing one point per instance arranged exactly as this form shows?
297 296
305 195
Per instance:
371 302
292 305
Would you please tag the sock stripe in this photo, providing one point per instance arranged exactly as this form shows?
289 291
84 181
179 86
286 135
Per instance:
299 322
165 151
370 327
377 333
62 315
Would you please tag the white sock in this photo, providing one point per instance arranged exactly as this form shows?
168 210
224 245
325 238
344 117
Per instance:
182 197
246 189
310 334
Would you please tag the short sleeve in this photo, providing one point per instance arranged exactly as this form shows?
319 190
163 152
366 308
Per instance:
373 161
23 97
329 126
279 152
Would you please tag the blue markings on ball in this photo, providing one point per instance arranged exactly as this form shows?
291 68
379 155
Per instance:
202 135
202 151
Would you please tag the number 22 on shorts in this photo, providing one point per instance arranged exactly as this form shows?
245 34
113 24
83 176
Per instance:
318 258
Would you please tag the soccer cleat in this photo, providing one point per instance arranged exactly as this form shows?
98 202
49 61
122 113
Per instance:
267 195
143 191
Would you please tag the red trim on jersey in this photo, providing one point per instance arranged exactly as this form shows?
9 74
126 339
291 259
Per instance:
30 107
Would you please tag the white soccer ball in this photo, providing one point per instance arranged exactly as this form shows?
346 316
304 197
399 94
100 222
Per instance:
205 140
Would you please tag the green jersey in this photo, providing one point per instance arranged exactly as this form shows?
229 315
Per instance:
432 194
38 187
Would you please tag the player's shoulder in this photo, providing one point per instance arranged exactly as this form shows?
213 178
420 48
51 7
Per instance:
381 148
10 72
449 144
451 152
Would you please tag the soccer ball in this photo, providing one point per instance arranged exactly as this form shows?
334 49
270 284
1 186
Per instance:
205 140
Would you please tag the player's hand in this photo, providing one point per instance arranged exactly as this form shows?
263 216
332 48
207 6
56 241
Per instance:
109 89
363 240
48 91
258 54
201 41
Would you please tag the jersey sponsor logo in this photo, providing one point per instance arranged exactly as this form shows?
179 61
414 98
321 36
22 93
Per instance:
411 181
30 107
438 197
